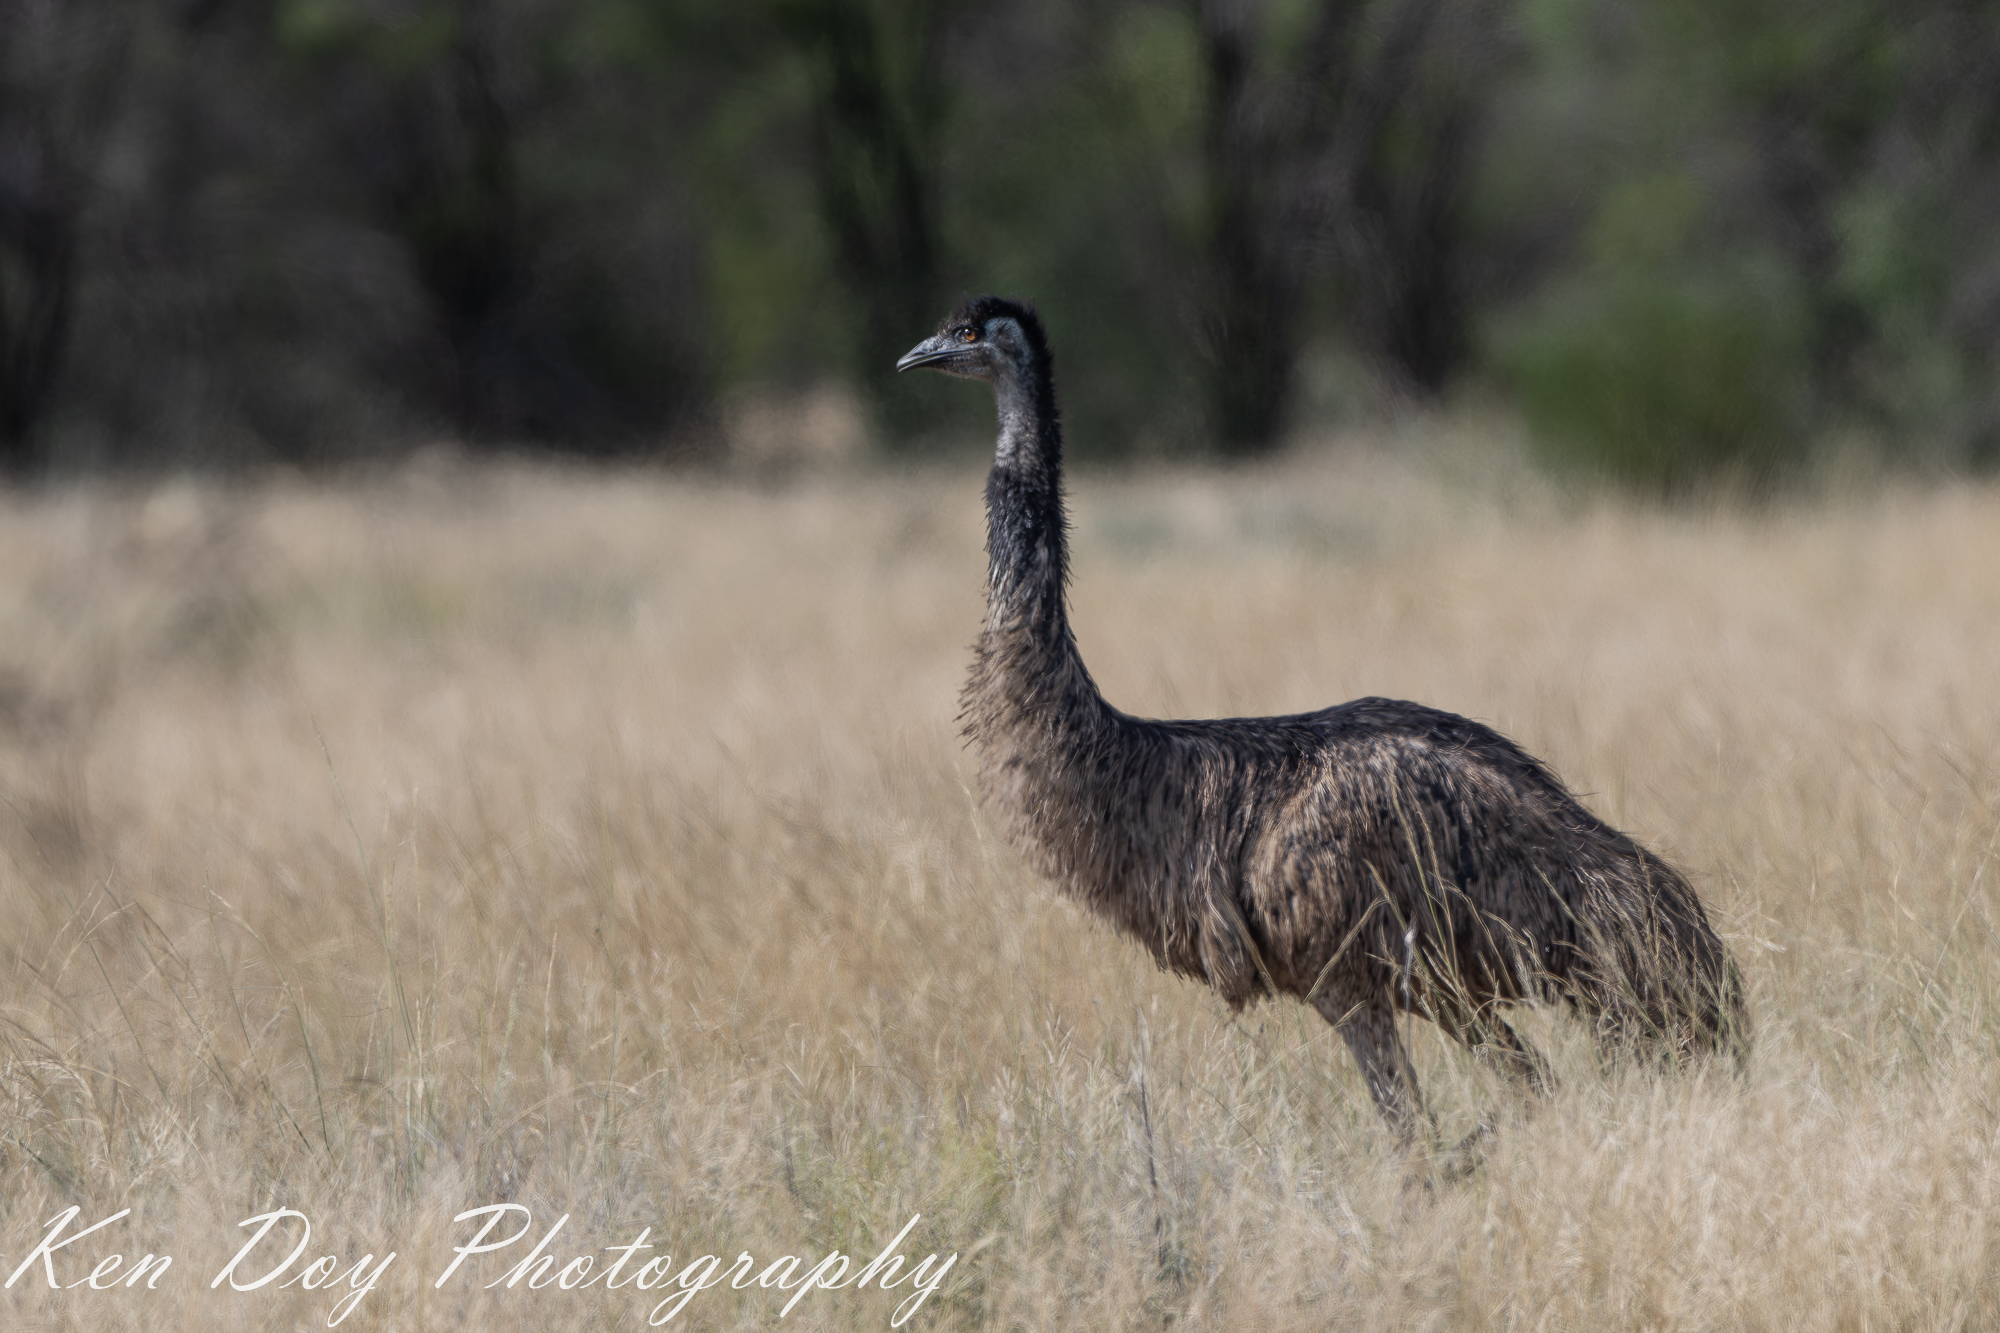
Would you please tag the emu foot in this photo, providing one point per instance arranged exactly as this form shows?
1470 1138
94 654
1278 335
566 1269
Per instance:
1425 1171
1468 1156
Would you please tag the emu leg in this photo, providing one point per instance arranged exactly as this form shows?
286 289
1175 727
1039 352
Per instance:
1487 1036
1370 1033
1490 1039
1521 1063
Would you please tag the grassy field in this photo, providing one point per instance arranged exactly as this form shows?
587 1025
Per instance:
601 844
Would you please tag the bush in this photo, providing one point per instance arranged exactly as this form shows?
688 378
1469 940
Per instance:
1661 383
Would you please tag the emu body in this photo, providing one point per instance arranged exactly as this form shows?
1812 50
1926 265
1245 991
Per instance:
1369 858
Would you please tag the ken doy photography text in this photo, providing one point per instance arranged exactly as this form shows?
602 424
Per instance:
275 1256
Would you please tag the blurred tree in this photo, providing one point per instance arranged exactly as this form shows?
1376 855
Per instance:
1808 87
442 163
1335 137
477 133
1413 144
1260 144
1812 186
1911 99
877 79
421 119
1072 177
1692 237
61 69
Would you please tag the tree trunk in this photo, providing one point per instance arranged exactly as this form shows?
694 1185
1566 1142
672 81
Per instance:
61 72
879 94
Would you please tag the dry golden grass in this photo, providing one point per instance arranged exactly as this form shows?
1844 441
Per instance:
601 843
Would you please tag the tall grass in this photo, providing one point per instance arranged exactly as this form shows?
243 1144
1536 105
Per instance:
602 844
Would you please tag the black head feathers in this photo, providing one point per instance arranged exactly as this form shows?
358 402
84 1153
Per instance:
976 310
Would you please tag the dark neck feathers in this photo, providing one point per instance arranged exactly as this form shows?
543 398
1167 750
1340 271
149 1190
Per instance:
1027 530
1029 701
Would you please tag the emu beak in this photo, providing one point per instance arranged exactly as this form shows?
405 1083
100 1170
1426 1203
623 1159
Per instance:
929 352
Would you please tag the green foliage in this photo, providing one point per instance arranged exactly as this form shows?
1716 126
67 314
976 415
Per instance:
1662 382
1777 219
1696 233
1650 370
1073 194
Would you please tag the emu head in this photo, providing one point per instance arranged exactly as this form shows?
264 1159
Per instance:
987 338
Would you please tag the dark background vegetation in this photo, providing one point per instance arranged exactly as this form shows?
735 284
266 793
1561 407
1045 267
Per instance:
1685 239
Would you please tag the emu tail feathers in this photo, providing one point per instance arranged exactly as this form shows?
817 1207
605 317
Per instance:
1654 973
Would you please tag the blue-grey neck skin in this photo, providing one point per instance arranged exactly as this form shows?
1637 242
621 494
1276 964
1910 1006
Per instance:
1020 423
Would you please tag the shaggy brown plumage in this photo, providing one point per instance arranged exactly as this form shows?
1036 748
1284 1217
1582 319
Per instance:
1366 858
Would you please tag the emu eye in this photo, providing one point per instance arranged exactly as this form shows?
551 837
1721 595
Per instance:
968 334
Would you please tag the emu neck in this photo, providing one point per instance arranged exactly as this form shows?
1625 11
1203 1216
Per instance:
1028 667
1026 528
1044 735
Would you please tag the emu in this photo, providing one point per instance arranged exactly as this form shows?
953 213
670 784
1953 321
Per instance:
1370 858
